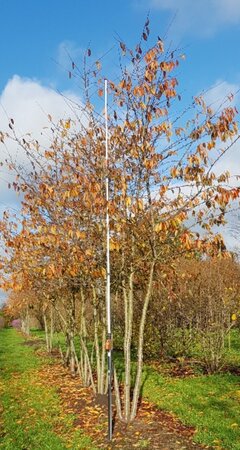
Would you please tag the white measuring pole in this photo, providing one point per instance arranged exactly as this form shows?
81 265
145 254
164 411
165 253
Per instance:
108 294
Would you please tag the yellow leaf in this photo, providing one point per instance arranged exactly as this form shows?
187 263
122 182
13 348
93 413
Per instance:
174 172
70 233
103 271
128 201
234 317
80 234
67 124
158 227
114 246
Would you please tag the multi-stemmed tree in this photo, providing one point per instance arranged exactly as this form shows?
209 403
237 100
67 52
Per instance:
162 183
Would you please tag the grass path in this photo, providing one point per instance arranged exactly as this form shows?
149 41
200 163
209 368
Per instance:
31 417
211 404
35 416
208 403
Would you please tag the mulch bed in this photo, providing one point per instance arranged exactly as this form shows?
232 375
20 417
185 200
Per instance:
152 429
33 343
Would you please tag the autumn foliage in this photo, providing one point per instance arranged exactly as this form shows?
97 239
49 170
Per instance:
162 185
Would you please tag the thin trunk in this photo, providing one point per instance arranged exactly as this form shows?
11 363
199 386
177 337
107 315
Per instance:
76 360
103 359
128 302
66 357
51 329
72 354
46 331
140 345
84 364
71 334
96 340
25 323
89 365
117 395
229 334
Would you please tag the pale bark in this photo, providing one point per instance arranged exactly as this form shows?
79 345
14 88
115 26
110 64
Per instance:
103 359
46 331
117 395
140 345
128 305
96 340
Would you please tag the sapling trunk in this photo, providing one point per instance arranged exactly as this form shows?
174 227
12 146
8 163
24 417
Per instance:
96 341
103 359
117 395
137 386
128 305
46 331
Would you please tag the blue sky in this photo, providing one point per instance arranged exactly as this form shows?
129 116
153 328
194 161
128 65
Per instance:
33 62
34 37
33 32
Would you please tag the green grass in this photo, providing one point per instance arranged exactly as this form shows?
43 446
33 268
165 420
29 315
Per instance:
58 339
210 403
30 411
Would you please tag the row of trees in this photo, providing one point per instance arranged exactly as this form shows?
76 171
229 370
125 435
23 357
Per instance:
195 320
162 184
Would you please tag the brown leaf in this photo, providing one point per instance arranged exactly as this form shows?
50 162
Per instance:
138 49
123 47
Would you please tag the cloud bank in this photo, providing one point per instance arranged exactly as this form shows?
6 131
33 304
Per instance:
28 103
199 17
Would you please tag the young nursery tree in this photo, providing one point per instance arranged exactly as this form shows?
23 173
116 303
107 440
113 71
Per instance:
162 183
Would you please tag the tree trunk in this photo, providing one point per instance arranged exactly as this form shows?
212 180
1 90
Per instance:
140 345
71 335
96 340
117 395
128 307
46 331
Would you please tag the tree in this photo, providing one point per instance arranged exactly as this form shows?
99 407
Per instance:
162 183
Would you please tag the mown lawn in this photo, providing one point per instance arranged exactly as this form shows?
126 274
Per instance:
31 414
210 403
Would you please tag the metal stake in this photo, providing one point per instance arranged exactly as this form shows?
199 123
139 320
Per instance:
108 295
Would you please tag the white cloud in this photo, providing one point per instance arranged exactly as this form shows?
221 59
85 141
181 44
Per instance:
68 51
28 102
218 97
222 94
199 17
